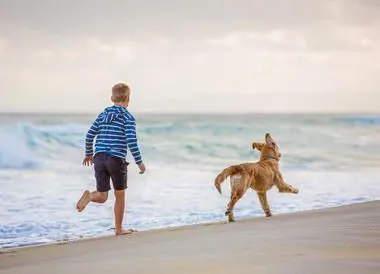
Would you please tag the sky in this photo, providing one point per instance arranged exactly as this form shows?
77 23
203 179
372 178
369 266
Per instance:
191 56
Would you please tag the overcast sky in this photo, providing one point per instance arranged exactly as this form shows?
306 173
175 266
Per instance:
191 56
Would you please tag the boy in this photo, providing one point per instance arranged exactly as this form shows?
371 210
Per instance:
115 129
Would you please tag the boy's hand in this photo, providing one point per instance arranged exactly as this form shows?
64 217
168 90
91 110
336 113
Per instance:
141 167
87 161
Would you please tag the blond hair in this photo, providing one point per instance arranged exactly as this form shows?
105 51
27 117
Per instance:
120 93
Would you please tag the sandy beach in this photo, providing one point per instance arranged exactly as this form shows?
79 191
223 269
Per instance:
344 239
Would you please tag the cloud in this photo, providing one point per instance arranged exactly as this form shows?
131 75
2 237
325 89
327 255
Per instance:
315 39
272 40
184 19
121 51
189 55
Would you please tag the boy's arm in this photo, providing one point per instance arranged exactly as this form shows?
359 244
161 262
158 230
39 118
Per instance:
132 141
92 132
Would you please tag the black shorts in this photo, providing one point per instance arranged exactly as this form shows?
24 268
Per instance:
110 167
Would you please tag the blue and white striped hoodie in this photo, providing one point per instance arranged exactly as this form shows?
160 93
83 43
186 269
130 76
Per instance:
115 132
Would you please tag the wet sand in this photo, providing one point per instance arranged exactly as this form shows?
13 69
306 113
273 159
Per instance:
337 240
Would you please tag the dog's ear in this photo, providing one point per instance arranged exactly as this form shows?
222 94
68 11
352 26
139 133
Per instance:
269 140
258 146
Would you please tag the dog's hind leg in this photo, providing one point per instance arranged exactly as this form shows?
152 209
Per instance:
264 203
235 197
238 188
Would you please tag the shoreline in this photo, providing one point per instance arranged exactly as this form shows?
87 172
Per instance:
343 239
173 228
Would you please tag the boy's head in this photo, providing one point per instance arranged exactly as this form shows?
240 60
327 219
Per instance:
120 94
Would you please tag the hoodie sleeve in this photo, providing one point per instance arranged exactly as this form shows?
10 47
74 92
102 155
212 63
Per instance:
132 140
92 132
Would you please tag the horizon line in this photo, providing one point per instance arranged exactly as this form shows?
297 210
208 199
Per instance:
195 113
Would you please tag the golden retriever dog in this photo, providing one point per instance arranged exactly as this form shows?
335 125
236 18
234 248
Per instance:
260 176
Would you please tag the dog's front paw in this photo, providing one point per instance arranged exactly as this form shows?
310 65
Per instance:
231 219
230 216
295 190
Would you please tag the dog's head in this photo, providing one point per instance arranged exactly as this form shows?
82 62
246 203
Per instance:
269 149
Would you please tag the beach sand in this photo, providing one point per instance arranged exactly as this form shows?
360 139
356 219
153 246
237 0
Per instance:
336 240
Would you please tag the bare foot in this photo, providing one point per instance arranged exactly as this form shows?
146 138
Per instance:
83 201
124 231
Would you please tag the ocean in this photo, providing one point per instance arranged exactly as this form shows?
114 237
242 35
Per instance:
333 159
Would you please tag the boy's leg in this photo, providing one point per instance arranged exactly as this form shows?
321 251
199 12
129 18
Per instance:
117 168
95 196
99 197
119 208
102 184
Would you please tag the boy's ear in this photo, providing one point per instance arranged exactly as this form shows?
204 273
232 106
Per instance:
258 146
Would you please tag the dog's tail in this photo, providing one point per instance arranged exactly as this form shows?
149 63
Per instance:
229 171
